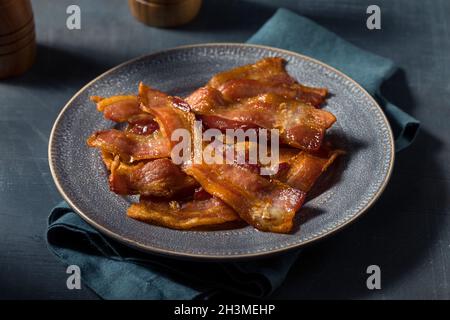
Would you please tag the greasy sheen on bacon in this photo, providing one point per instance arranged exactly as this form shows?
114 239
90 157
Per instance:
205 100
171 113
305 168
126 109
130 146
267 75
267 68
142 124
159 178
235 90
300 125
184 215
118 108
266 205
108 159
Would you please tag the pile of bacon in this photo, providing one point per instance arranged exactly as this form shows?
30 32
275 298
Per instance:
214 196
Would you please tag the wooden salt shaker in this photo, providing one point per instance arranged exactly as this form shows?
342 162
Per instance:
164 13
17 37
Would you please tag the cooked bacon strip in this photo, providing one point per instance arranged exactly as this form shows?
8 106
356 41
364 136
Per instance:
305 168
118 108
265 76
201 194
301 125
184 215
286 154
108 159
205 99
171 113
96 99
262 69
159 178
222 124
129 146
266 205
129 101
284 157
235 90
126 109
142 124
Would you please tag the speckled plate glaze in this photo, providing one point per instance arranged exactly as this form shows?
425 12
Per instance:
355 182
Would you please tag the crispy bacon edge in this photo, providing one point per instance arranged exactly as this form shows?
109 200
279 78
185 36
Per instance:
194 214
160 178
267 75
300 125
130 146
266 205
304 169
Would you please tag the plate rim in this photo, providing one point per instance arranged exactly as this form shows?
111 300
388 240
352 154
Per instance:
214 257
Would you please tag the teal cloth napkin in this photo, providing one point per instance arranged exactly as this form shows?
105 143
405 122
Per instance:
114 271
105 267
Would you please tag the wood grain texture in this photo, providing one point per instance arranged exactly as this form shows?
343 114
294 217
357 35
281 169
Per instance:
18 34
160 13
407 233
14 15
18 58
17 45
17 37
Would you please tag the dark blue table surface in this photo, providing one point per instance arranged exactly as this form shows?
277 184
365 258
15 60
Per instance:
407 233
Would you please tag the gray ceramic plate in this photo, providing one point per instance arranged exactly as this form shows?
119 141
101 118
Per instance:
354 184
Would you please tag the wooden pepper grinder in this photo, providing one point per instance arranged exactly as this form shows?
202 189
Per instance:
164 13
17 37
